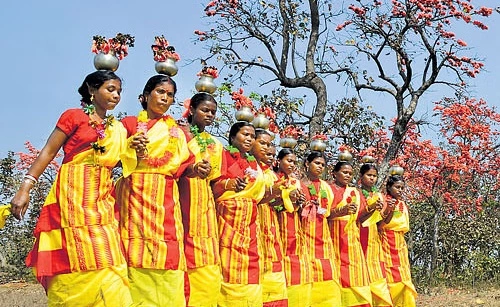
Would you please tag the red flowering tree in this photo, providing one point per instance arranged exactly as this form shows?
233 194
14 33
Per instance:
17 238
406 47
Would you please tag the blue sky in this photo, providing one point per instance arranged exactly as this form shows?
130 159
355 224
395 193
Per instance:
46 54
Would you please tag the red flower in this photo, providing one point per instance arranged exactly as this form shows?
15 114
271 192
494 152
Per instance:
162 50
292 131
118 44
318 136
241 100
209 70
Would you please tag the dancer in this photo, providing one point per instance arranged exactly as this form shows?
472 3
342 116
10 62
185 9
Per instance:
201 242
345 235
77 256
296 262
237 193
394 225
315 211
148 197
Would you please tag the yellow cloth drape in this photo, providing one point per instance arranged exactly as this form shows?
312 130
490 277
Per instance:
4 213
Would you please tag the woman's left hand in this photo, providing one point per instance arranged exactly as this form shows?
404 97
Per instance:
202 169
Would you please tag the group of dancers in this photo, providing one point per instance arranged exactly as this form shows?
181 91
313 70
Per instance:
193 223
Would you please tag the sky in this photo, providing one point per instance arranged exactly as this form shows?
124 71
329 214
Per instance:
45 55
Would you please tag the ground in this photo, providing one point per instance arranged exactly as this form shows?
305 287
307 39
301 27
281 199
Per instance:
18 294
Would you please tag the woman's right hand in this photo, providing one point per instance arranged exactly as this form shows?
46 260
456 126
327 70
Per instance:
139 142
20 202
236 184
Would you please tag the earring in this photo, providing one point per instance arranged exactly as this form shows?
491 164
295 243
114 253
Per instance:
91 97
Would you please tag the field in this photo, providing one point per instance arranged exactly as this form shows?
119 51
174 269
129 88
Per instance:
17 294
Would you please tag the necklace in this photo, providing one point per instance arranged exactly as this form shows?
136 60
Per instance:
319 199
366 193
204 142
172 138
100 127
248 163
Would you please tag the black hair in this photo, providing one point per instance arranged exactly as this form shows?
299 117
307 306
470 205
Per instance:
235 128
281 155
366 167
196 100
95 80
152 84
260 131
313 155
339 165
392 180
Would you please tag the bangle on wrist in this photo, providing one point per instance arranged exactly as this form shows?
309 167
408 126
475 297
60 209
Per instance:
225 184
30 178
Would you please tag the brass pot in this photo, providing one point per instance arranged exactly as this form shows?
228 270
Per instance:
106 61
317 145
396 170
345 156
244 114
260 121
167 67
206 84
288 142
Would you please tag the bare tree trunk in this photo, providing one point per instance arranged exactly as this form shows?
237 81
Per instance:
435 238
318 116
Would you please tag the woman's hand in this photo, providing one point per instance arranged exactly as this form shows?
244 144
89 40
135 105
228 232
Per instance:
379 205
351 208
21 201
139 142
202 169
236 184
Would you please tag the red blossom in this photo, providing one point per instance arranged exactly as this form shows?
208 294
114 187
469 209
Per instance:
292 131
318 136
209 70
163 50
118 45
267 111
241 100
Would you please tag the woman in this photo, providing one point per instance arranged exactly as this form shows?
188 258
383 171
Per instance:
344 228
237 193
394 225
273 277
373 202
77 256
296 263
315 211
201 242
148 198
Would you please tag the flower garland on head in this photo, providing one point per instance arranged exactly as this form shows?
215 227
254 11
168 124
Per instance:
204 143
100 127
173 136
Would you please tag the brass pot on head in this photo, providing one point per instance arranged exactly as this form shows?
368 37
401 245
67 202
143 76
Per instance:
106 61
205 84
318 145
396 170
288 142
244 114
345 156
167 67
